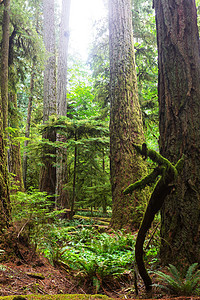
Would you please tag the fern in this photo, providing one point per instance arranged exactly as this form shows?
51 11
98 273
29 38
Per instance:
177 284
190 271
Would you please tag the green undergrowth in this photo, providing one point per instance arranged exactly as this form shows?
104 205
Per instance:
94 258
58 297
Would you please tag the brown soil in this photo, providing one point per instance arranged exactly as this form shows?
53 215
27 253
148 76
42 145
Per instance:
17 278
32 274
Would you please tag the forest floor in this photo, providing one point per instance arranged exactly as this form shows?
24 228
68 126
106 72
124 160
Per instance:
36 275
32 274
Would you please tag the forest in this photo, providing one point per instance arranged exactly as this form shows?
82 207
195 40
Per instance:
100 158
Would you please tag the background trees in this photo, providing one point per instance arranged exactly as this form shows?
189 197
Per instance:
179 108
84 131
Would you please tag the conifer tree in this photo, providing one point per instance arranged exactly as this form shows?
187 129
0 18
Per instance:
125 117
48 171
61 174
179 94
5 209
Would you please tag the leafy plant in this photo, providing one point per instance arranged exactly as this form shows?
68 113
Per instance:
108 244
99 271
32 211
178 284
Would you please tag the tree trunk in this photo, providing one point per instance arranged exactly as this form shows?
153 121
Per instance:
28 125
104 202
125 118
74 179
5 208
4 62
14 157
48 171
61 170
179 94
14 153
62 59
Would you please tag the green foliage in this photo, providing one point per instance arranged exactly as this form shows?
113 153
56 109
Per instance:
97 258
29 42
99 64
144 31
100 257
81 96
98 272
32 211
180 284
88 143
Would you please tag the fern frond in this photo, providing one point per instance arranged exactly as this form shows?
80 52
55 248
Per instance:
173 270
179 285
169 280
190 271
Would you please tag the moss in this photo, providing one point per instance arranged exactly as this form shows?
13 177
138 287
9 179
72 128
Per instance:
162 188
60 297
147 180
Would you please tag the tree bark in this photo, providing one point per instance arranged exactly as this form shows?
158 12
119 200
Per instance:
14 156
14 153
61 170
5 208
125 117
179 94
62 59
48 171
74 179
28 125
4 62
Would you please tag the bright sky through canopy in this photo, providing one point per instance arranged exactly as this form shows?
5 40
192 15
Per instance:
83 14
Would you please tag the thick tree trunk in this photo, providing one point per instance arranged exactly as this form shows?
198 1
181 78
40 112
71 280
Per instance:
125 119
61 170
4 62
62 59
179 94
48 172
5 209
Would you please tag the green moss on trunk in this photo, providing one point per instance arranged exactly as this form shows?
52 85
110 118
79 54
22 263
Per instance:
125 118
179 94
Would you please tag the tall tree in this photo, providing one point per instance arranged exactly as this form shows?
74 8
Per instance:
48 172
5 215
179 94
62 59
14 154
28 125
125 118
4 61
61 175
